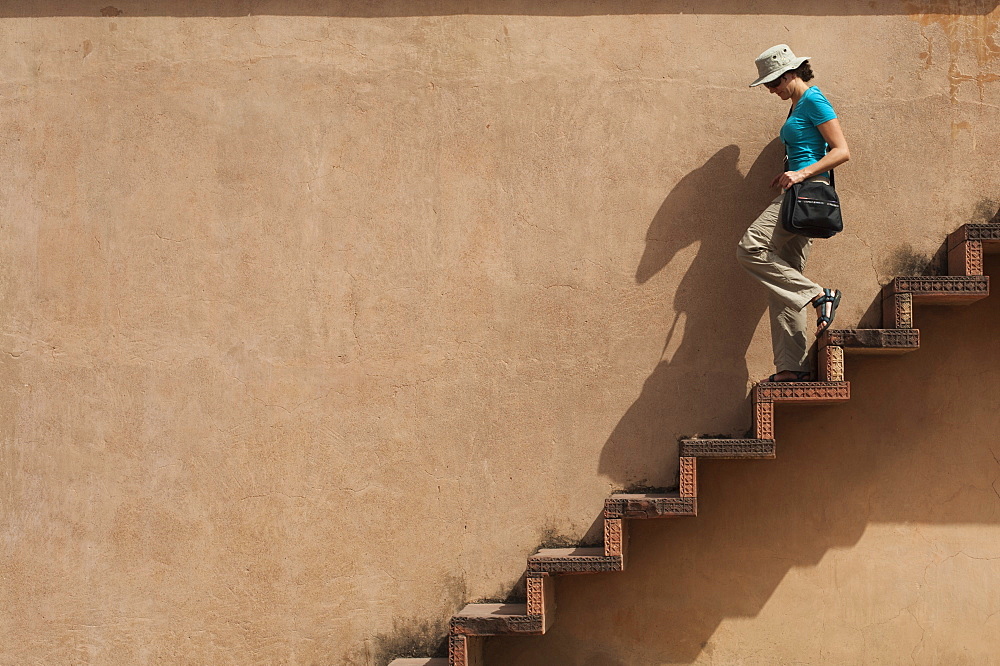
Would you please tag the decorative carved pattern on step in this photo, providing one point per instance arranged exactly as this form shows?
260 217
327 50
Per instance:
614 537
649 506
977 232
966 258
803 391
728 448
831 363
535 583
763 418
464 651
942 284
875 339
576 564
897 309
688 477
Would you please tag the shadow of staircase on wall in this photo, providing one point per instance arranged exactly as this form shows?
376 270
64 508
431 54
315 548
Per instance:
966 283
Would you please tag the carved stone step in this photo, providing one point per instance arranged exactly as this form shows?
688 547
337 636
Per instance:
966 246
533 617
943 289
873 340
649 505
574 561
802 393
989 234
496 620
723 448
436 661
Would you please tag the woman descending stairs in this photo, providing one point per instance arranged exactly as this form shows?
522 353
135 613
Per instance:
964 284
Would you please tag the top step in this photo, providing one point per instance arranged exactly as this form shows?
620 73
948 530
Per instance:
966 246
988 234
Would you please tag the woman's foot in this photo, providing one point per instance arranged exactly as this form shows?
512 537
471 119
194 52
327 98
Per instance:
826 309
790 376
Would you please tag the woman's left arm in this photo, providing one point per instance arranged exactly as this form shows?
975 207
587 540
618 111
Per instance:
835 156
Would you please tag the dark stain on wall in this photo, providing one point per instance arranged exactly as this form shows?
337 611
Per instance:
553 539
904 260
987 211
418 637
411 638
518 594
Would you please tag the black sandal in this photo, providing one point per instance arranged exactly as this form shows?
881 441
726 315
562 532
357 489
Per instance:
826 317
799 377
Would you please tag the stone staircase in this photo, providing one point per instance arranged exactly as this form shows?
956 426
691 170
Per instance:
964 284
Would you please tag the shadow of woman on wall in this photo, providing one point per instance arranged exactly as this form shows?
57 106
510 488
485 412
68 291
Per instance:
699 384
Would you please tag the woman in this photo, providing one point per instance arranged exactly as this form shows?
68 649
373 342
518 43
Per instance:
814 144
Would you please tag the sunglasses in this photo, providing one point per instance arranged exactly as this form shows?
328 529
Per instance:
774 84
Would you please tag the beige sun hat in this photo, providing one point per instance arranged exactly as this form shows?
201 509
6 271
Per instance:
774 62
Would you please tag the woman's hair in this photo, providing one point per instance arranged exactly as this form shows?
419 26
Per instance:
803 71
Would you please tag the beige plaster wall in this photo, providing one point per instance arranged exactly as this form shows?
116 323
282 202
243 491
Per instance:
317 318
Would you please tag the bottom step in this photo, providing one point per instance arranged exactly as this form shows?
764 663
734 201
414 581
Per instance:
436 661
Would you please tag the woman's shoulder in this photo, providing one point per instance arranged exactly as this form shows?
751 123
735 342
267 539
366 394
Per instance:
814 93
816 102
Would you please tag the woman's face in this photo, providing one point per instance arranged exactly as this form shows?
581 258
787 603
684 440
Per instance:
781 90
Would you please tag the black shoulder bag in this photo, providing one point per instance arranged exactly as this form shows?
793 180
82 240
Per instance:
811 208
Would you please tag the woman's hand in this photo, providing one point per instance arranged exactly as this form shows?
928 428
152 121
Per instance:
787 179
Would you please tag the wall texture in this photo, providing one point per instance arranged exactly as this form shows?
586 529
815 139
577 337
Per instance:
319 317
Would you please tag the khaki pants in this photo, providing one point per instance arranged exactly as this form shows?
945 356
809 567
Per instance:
777 258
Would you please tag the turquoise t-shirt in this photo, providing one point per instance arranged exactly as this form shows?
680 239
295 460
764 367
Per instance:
803 142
